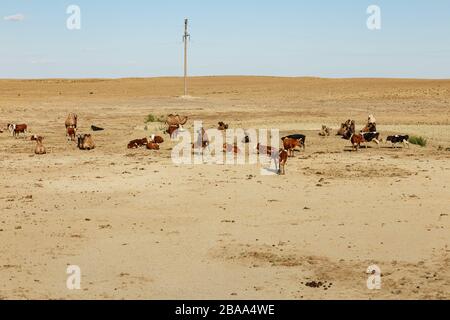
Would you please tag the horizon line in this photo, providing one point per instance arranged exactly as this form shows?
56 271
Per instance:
222 76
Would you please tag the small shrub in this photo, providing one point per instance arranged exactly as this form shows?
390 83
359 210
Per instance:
420 141
151 118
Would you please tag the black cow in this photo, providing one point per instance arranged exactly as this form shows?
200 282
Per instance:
398 139
372 136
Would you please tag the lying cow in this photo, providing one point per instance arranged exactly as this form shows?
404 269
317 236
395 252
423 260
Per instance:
152 146
17 129
137 143
398 139
290 144
299 137
85 142
156 139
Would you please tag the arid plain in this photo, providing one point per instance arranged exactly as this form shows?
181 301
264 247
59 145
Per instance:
141 227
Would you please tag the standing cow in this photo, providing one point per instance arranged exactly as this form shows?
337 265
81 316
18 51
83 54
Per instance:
17 129
279 157
71 134
290 144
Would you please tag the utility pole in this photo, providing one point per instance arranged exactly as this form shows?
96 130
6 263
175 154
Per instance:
186 38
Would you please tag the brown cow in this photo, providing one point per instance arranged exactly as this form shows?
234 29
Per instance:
156 139
300 137
71 133
40 149
284 155
356 140
280 157
17 129
290 145
137 143
152 146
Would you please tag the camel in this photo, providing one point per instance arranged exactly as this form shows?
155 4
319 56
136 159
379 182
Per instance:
222 126
40 149
326 132
72 121
176 120
85 142
350 131
344 127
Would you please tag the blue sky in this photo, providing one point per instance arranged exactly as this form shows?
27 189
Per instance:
143 38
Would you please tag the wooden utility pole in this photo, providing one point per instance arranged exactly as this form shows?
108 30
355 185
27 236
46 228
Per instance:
186 38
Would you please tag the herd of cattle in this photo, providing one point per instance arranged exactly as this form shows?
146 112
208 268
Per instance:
368 134
175 123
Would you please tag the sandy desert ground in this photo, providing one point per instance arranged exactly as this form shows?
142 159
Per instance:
140 227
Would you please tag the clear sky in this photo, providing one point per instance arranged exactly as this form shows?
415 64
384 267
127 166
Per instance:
143 38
